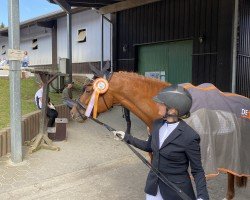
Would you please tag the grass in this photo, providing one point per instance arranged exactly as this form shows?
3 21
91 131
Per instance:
28 90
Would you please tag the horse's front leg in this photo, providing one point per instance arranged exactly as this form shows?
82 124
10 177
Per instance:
127 117
230 186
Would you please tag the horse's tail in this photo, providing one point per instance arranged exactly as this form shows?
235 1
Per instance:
241 181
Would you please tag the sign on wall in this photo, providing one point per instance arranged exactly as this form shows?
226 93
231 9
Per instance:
156 74
15 54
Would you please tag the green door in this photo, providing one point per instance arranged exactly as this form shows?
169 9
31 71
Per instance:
171 62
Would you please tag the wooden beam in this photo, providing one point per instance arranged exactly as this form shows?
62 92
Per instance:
124 5
50 24
87 5
4 34
96 2
64 5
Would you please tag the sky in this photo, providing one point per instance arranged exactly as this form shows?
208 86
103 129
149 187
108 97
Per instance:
28 9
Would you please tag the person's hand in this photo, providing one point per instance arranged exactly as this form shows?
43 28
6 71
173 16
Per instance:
119 135
51 106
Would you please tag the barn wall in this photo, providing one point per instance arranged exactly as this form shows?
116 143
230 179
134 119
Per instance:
89 51
243 55
43 54
173 20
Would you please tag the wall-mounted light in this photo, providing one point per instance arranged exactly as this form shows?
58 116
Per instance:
201 38
124 48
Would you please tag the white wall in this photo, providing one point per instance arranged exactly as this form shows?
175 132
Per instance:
90 50
3 41
42 55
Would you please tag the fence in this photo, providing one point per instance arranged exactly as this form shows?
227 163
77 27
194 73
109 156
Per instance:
30 128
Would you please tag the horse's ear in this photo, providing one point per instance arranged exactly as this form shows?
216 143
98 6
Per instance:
106 67
105 71
95 71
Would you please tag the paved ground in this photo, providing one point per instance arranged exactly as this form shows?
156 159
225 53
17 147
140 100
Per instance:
90 165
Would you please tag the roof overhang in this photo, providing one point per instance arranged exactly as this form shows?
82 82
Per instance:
103 6
85 3
48 20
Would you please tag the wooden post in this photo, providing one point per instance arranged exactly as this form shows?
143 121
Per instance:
42 140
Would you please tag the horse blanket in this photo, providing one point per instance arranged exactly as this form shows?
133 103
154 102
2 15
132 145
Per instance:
223 123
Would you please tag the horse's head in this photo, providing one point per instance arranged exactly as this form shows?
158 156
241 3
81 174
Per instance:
106 100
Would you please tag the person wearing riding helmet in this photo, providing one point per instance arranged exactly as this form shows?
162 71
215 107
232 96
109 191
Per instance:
175 147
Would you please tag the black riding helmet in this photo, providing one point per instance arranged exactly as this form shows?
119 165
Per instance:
177 97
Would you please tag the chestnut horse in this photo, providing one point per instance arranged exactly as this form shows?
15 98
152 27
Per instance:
135 93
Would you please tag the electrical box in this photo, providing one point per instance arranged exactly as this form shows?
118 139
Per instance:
63 64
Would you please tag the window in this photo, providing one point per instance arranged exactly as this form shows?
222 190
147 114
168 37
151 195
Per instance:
3 50
82 35
34 44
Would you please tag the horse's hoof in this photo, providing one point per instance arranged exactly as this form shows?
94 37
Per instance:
229 197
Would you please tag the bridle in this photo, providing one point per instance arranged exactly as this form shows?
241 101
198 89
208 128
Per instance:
80 107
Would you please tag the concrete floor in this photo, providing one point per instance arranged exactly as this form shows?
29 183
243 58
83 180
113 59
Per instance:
90 165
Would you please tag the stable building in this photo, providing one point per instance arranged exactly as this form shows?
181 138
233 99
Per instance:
44 38
193 41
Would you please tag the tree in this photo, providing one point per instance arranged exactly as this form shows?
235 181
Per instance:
2 25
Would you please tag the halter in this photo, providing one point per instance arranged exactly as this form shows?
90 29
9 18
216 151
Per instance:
100 86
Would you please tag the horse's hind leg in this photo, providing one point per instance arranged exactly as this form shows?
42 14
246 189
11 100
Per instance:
230 186
241 181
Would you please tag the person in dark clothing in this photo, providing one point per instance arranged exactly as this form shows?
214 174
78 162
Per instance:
175 147
51 113
51 110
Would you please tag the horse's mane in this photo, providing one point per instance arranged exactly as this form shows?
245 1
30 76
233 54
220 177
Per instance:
142 78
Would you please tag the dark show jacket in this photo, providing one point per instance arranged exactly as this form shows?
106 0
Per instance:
179 149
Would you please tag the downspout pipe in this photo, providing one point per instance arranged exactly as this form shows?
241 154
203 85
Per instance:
111 45
102 38
69 45
234 45
102 42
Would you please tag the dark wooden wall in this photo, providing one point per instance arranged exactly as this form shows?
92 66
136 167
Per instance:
172 20
243 55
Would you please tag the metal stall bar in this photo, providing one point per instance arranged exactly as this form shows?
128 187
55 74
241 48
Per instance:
234 45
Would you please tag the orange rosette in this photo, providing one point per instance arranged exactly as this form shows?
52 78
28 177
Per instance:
100 86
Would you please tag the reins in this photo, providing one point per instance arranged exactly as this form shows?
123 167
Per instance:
161 176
